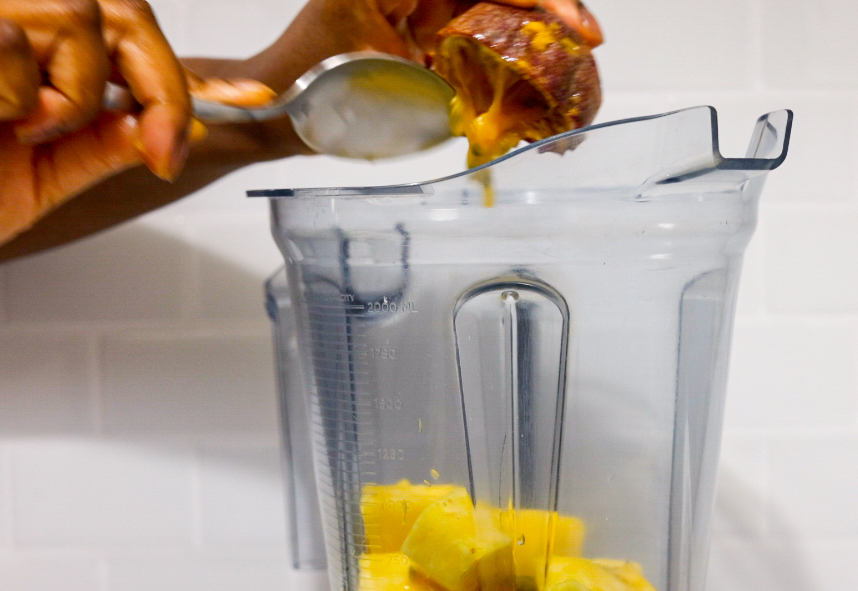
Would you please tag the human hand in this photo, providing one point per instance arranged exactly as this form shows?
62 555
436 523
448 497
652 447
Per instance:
407 28
55 141
419 26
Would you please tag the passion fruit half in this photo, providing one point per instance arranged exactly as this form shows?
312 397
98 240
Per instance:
519 74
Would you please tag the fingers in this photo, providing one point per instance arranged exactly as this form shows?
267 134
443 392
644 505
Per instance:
67 41
77 44
576 15
573 13
65 168
19 76
40 177
427 19
102 149
396 10
144 59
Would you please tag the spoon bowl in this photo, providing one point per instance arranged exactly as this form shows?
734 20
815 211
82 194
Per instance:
365 105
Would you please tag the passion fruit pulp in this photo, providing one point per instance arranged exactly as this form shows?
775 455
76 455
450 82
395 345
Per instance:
518 74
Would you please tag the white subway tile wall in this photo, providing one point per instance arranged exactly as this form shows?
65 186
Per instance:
138 421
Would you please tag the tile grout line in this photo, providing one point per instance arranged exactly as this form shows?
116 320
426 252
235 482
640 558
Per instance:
95 362
103 573
756 63
6 501
767 487
2 294
196 492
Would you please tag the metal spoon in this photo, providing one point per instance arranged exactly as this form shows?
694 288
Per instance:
365 105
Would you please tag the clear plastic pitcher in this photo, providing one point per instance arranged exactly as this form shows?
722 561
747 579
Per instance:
527 395
299 480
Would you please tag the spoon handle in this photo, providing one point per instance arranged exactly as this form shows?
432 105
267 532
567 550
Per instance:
117 98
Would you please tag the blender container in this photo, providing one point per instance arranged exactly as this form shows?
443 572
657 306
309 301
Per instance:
302 500
526 395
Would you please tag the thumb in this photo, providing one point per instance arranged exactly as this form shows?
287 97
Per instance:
395 11
109 145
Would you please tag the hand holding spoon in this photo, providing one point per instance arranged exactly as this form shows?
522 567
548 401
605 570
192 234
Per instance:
365 105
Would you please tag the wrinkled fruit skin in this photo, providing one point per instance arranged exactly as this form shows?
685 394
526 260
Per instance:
565 72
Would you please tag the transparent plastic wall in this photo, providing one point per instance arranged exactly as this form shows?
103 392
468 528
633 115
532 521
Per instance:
547 334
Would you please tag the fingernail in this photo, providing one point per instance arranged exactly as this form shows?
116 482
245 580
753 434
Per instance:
177 160
194 133
591 26
137 141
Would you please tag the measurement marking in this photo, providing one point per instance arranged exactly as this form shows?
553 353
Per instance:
321 439
323 426
337 409
320 435
334 513
331 497
343 455
357 420
327 357
320 340
341 451
341 401
343 398
334 309
340 389
341 385
357 520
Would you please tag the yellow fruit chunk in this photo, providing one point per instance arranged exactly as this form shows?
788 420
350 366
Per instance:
629 572
534 525
444 545
433 538
389 511
569 535
537 534
582 574
390 572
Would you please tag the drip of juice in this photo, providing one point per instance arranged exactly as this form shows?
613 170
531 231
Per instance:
495 106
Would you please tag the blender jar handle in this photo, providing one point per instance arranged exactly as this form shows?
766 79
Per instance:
511 348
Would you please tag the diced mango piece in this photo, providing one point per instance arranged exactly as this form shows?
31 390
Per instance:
569 532
389 511
390 572
533 525
581 574
433 538
441 544
446 547
629 572
495 563
530 529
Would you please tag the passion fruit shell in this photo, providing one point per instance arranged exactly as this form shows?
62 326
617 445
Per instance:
532 45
